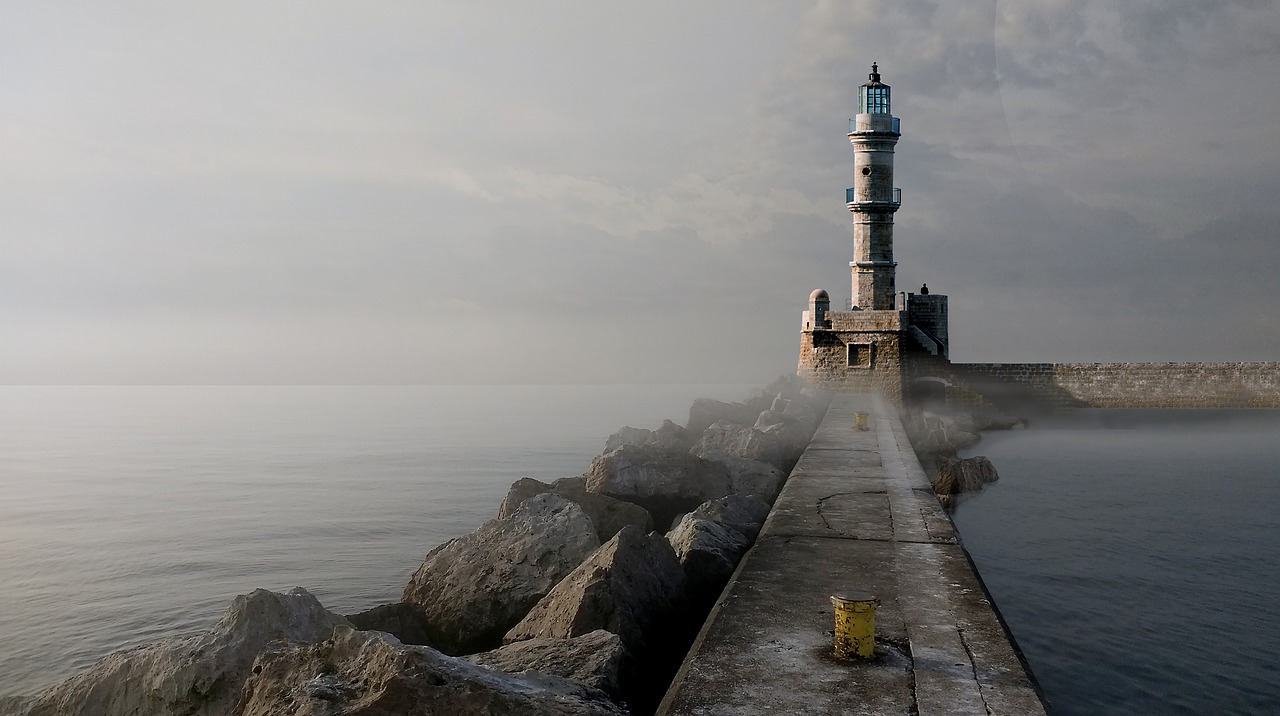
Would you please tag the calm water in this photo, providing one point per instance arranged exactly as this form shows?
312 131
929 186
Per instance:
1136 557
1134 554
129 513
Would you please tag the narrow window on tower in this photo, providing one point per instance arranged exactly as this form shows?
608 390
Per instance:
861 355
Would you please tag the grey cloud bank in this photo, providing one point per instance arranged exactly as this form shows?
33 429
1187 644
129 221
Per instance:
565 192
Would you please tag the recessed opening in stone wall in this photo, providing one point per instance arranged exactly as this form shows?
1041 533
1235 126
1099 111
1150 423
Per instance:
860 355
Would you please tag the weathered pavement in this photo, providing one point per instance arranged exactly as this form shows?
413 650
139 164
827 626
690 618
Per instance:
856 515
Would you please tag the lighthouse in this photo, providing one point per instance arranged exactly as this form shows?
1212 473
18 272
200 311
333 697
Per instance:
873 198
886 341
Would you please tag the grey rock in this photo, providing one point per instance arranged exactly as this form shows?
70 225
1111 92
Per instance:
668 437
787 386
372 674
594 659
607 514
749 477
964 475
744 514
662 482
198 675
760 399
769 417
807 413
521 490
937 434
705 411
472 589
708 552
632 586
403 621
628 436
791 434
672 437
739 441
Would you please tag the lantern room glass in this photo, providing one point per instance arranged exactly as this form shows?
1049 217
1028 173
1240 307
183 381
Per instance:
873 99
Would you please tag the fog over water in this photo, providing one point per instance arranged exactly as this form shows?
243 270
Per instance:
1135 555
129 513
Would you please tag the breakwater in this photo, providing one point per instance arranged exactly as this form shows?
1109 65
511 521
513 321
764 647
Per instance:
1118 385
856 514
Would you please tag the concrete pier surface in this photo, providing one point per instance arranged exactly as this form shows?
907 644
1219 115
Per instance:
856 515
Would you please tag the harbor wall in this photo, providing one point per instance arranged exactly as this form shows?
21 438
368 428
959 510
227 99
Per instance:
1121 385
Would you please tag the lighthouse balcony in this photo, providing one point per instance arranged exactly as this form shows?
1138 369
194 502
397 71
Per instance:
872 199
874 123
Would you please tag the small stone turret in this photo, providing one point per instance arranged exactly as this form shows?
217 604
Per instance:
819 307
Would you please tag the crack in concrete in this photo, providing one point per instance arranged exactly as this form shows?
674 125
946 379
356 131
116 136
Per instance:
822 501
973 665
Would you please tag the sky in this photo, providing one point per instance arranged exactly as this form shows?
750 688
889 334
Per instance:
604 192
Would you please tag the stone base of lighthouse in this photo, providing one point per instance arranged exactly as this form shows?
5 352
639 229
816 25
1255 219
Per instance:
880 351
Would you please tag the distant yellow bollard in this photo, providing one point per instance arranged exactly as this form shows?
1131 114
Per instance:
861 421
855 625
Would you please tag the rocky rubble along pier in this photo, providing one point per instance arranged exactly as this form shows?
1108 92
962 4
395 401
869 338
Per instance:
580 597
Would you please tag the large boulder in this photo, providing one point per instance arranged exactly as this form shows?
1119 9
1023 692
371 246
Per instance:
759 399
632 586
472 589
595 659
628 435
672 437
749 477
199 675
808 411
740 441
668 437
664 483
791 433
607 514
958 476
705 411
937 434
708 552
403 621
744 514
372 674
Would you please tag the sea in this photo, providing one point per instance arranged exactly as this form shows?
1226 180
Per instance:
1135 557
1133 554
132 513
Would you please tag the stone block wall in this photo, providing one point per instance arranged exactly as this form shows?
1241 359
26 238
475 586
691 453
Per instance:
930 313
1126 385
875 363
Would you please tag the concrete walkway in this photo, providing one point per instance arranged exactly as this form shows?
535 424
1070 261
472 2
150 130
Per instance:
856 515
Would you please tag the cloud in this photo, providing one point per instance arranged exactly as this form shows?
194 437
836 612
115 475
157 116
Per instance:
624 192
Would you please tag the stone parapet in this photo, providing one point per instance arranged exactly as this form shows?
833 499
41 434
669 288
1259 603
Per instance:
1127 385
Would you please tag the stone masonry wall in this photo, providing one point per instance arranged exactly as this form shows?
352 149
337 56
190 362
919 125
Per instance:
1127 385
824 361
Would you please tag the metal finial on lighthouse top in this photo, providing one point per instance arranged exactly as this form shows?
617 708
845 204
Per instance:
875 72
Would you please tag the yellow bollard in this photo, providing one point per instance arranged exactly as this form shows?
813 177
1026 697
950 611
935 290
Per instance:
855 625
861 421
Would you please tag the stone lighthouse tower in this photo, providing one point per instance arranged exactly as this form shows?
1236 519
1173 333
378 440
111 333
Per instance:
886 340
873 198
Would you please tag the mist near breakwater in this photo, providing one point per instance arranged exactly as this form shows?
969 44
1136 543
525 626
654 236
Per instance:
133 513
1135 555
